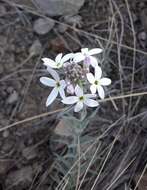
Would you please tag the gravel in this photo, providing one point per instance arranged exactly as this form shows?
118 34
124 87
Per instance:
59 7
43 26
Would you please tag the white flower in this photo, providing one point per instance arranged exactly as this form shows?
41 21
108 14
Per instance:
97 82
59 60
57 84
80 100
86 56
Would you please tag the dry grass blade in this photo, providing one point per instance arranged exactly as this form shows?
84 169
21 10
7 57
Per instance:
143 172
63 109
91 161
88 149
134 52
79 164
121 174
107 156
31 119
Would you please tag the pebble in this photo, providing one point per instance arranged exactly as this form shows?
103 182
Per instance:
142 38
142 35
63 129
5 133
2 10
59 7
3 40
36 48
75 20
42 26
12 97
8 147
22 176
143 18
29 153
1 68
4 166
62 28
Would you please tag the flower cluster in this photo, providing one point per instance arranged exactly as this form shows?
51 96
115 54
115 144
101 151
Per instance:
79 75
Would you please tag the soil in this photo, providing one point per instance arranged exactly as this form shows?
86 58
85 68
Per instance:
26 155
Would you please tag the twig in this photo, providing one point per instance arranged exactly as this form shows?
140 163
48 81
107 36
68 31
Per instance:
63 109
31 119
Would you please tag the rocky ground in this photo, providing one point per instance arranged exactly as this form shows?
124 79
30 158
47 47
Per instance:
31 30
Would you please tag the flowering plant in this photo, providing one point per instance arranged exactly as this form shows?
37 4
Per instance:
81 82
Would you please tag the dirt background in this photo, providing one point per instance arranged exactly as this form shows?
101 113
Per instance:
26 155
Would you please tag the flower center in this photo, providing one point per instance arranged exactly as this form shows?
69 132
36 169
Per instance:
96 82
81 98
58 84
59 64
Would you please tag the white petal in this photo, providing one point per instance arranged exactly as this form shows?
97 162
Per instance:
49 62
47 81
84 51
53 73
58 58
70 100
78 91
67 57
98 72
95 51
93 61
91 103
101 92
62 93
78 107
93 89
52 96
90 78
105 81
63 83
90 95
78 57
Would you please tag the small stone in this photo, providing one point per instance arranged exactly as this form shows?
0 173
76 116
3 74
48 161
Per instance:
2 10
62 28
10 89
134 17
3 40
142 36
59 7
8 146
12 98
24 177
75 20
43 26
4 166
57 45
143 18
63 129
29 153
1 69
36 48
5 133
